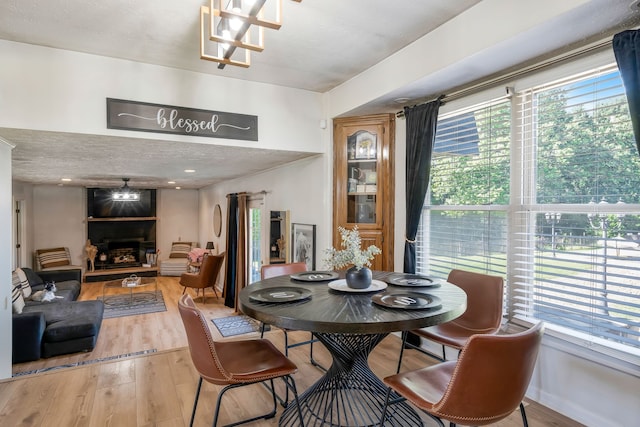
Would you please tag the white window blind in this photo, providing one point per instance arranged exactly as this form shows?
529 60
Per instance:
576 254
464 221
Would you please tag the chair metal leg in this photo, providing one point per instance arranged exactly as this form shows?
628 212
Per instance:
406 344
524 415
266 416
195 402
388 401
291 384
262 329
286 343
405 334
311 359
384 408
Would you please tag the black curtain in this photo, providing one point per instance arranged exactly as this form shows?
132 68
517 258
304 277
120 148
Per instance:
232 250
421 133
626 47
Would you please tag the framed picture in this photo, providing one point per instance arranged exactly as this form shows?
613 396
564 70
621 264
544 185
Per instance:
366 145
303 246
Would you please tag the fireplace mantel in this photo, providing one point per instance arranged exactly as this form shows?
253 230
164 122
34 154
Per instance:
127 218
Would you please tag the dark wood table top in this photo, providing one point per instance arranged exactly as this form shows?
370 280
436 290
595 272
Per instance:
332 311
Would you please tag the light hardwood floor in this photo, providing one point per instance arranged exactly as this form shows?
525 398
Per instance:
158 389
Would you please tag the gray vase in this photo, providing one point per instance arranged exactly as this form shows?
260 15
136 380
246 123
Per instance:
358 279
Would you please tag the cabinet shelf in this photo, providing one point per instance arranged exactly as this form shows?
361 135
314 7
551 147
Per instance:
362 193
361 160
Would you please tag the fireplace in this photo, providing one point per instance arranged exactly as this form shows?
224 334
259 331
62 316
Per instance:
122 243
123 253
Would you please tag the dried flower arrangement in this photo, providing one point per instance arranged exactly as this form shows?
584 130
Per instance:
352 254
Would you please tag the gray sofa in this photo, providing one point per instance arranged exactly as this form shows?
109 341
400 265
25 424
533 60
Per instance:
61 326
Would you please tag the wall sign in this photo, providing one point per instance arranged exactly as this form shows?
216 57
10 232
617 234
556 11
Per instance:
146 117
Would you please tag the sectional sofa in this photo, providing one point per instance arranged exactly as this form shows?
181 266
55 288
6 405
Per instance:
61 326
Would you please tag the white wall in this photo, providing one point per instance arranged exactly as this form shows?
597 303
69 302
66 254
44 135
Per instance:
400 200
6 253
24 192
60 219
301 187
177 212
73 97
590 388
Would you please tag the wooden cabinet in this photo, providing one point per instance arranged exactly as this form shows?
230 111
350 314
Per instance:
363 193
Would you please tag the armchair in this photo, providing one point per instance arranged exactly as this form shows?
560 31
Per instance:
206 277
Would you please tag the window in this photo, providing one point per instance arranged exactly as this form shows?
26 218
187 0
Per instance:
544 190
581 270
465 223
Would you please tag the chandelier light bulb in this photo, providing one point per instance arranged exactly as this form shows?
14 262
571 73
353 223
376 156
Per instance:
235 24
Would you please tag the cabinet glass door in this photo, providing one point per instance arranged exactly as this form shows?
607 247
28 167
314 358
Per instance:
362 177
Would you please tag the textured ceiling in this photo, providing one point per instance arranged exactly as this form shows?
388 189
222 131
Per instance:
94 161
322 44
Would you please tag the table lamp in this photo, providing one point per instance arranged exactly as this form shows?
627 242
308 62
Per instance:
210 247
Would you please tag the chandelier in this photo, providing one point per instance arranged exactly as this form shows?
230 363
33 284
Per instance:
236 28
125 194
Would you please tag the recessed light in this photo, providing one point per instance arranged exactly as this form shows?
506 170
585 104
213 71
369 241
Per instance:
178 188
189 170
401 100
66 179
171 182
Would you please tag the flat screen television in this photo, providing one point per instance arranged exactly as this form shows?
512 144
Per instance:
100 204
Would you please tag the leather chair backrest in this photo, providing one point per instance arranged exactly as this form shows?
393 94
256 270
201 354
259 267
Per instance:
491 377
274 270
201 345
484 300
210 268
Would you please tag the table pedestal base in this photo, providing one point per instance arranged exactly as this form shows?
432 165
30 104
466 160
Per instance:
349 394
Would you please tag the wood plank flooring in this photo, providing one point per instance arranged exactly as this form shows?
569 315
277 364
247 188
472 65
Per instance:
158 389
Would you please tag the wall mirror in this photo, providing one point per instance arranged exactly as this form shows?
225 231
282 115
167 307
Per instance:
217 220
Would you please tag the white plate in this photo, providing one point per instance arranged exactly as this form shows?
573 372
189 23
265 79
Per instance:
341 285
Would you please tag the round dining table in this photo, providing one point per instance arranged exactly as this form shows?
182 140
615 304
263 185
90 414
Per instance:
350 323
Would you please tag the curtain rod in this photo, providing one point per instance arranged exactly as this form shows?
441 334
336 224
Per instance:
519 73
263 192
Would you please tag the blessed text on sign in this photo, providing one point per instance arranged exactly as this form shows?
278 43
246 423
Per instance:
146 117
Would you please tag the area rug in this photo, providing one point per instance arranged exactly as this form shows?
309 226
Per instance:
85 362
237 325
143 303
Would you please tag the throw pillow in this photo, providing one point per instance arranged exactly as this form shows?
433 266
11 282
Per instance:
180 249
55 257
32 277
24 283
17 301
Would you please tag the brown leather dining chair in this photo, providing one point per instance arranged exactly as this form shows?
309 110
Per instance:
482 316
486 384
274 270
233 364
206 277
